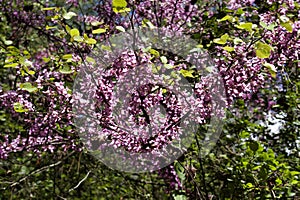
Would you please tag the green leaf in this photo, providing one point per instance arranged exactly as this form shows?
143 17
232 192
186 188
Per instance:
106 48
273 168
180 171
68 28
31 72
50 27
244 134
249 185
69 15
278 181
28 87
11 65
74 32
168 66
271 26
187 73
179 197
66 70
263 24
155 69
154 52
96 23
288 26
18 107
67 56
229 49
284 18
89 59
120 28
49 8
45 59
286 23
293 173
240 11
271 68
78 38
163 59
99 30
85 36
147 23
263 50
221 40
118 5
24 170
237 40
227 17
91 41
8 42
247 26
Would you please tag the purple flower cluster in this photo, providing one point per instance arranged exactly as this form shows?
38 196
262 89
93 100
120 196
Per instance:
47 115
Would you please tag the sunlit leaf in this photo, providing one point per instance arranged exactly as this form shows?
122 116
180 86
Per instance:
69 15
49 8
74 32
18 107
89 59
221 40
67 56
187 73
227 17
288 26
78 38
28 87
8 42
154 52
11 65
247 26
229 49
99 30
91 41
163 59
66 70
96 23
271 68
118 5
120 28
262 50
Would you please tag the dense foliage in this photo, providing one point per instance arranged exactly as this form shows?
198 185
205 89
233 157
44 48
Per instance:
255 47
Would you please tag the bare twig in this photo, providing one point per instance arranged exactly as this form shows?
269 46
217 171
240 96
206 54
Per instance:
86 176
38 171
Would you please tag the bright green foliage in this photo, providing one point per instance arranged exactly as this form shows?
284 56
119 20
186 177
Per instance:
99 30
119 6
247 26
28 87
263 50
222 40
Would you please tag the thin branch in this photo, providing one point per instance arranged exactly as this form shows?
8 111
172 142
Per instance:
192 177
201 167
86 176
38 171
35 172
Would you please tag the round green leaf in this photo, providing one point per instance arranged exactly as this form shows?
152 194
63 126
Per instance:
263 50
74 32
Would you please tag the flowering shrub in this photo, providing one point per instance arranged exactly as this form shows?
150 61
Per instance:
254 47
